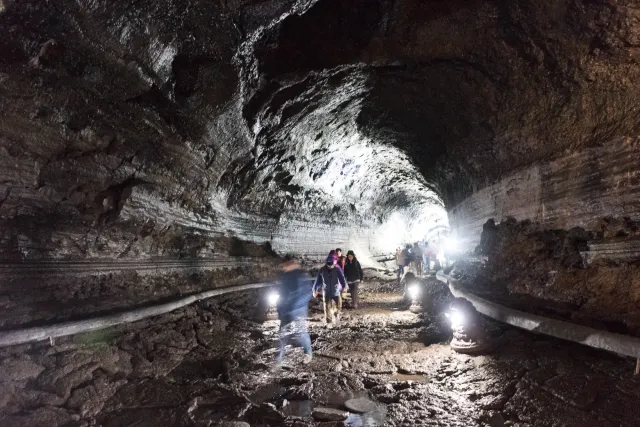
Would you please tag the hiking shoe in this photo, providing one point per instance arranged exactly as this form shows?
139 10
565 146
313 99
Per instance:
307 359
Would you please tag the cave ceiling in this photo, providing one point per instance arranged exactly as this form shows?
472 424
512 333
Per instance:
270 108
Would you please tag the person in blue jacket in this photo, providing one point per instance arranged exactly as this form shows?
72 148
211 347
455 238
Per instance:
330 281
293 306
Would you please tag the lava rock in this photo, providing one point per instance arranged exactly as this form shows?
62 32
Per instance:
330 414
382 389
388 398
360 406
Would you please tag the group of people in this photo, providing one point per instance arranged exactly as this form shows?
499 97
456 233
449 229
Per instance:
417 257
339 275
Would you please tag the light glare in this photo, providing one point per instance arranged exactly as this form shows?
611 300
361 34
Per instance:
456 317
451 245
414 291
273 298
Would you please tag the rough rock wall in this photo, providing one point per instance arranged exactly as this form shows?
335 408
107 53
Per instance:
576 190
151 129
123 130
591 277
211 115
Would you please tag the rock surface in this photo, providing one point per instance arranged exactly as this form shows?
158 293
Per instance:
330 414
182 132
165 372
560 280
360 406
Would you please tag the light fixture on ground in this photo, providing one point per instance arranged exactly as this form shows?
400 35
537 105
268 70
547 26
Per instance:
273 298
469 336
415 296
456 317
414 291
269 304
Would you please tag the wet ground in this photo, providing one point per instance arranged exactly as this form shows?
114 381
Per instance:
212 364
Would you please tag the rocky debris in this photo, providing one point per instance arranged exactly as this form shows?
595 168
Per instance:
558 283
89 400
19 369
233 424
469 335
360 406
232 380
40 417
329 414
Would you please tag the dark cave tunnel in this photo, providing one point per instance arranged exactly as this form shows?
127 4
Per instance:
152 150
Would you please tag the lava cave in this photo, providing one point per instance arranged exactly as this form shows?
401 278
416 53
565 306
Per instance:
155 151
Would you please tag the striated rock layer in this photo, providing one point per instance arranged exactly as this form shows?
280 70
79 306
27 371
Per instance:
161 129
578 189
563 273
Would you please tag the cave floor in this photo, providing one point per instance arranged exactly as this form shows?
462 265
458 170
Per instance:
210 363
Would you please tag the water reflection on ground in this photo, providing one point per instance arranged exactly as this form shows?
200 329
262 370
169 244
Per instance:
304 408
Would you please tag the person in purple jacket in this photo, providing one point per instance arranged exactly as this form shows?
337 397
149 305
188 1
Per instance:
330 281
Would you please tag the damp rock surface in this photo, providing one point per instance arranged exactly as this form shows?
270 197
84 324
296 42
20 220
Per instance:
163 371
568 275
329 414
151 132
149 152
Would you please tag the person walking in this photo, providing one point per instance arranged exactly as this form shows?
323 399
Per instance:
293 306
330 281
353 275
426 256
400 262
342 260
417 258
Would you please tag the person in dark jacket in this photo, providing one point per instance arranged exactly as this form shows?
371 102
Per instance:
342 260
417 253
353 274
330 282
293 305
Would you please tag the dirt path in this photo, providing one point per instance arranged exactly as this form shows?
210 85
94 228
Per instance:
210 363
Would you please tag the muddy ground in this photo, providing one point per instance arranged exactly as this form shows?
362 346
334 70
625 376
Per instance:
213 363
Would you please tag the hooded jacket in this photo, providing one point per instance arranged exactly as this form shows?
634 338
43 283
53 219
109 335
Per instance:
330 281
293 302
352 270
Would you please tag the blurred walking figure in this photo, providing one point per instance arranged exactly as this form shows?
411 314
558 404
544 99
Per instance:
293 305
330 281
353 274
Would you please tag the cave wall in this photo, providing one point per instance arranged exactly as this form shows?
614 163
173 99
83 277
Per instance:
160 129
123 134
578 189
589 277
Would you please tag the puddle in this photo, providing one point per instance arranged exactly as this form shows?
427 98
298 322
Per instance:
299 408
406 377
304 408
267 393
370 419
